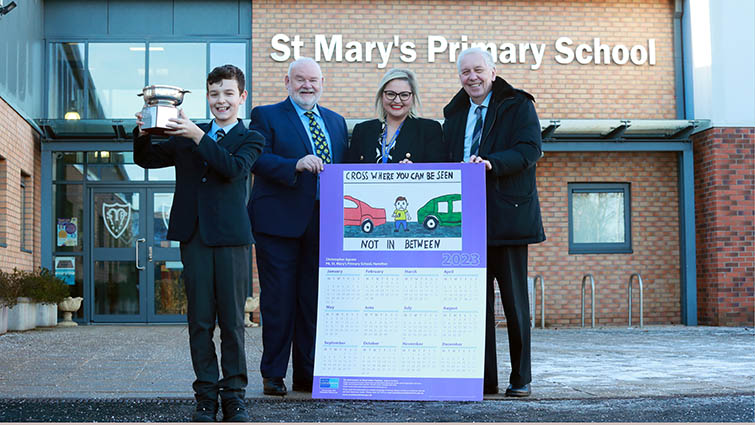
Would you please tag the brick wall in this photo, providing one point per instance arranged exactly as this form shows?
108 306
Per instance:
724 211
563 91
655 239
19 146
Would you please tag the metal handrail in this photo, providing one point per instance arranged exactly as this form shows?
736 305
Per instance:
629 297
542 301
592 299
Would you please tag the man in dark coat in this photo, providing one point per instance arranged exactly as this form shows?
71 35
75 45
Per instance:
492 123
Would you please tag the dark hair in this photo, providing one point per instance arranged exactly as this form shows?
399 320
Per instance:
227 72
400 198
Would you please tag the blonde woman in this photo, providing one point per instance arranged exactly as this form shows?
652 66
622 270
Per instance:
398 134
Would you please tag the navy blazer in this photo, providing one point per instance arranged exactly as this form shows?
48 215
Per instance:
211 183
283 199
419 140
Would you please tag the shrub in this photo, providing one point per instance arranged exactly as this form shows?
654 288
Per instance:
10 288
41 286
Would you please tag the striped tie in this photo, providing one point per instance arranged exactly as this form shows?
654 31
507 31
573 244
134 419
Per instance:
321 145
477 132
219 135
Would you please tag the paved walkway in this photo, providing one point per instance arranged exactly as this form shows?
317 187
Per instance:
105 362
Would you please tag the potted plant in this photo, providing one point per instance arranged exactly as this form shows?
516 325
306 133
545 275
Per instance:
21 315
47 291
8 298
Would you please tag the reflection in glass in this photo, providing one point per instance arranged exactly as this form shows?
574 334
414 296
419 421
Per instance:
68 221
598 217
116 287
229 53
113 166
67 79
117 72
162 203
68 166
162 174
182 65
71 269
116 219
170 294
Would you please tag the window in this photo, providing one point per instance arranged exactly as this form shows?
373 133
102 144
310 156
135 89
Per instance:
27 208
599 218
96 80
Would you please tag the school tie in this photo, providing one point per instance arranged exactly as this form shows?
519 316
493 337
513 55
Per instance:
321 145
477 132
219 135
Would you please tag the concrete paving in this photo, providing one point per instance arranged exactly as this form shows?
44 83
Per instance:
152 362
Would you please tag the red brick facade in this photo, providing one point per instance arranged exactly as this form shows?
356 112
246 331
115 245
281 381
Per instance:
725 230
19 156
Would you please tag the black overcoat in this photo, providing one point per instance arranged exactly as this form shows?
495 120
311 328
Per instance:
511 142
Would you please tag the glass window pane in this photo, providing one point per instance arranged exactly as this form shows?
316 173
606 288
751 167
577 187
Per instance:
170 294
162 203
71 270
116 287
116 219
598 217
113 166
230 53
68 221
68 166
162 174
117 73
182 65
67 79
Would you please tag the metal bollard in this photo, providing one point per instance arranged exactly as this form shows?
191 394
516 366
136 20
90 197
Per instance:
629 297
542 302
592 300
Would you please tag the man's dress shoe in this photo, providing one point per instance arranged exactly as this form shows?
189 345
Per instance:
234 410
273 386
304 387
490 389
206 411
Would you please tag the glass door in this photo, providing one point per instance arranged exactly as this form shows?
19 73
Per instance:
167 299
118 272
136 272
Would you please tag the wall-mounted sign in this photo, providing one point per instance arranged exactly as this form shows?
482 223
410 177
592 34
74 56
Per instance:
333 48
68 231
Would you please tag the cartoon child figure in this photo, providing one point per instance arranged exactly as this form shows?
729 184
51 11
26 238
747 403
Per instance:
401 213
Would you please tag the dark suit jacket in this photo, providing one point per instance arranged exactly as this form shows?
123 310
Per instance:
283 199
420 137
211 183
511 142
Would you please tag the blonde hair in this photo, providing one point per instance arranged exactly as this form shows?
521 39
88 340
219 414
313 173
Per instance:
398 74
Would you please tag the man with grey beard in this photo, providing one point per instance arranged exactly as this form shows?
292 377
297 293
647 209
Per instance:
300 137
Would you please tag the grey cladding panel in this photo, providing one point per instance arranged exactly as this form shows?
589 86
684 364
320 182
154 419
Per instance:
75 18
140 18
207 18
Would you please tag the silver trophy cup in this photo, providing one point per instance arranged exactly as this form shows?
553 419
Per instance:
160 105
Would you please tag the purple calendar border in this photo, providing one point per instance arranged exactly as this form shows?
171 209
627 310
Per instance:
331 218
374 388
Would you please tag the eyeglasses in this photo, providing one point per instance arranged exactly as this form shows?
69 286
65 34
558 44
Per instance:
404 95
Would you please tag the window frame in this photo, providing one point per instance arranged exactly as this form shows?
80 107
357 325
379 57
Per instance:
603 247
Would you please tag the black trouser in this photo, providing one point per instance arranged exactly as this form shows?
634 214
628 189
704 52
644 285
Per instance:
288 272
508 265
216 279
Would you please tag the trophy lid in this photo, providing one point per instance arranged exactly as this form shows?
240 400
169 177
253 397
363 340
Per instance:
156 93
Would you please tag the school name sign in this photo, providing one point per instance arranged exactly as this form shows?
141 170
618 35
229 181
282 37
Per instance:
334 48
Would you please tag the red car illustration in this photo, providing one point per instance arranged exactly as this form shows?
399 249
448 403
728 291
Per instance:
358 213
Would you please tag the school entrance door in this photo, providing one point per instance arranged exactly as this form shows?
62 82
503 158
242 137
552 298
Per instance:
135 272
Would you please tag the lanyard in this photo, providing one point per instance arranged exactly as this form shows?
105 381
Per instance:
386 148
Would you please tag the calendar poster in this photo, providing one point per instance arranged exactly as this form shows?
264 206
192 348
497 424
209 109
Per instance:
401 303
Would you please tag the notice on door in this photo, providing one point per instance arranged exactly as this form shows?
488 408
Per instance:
401 303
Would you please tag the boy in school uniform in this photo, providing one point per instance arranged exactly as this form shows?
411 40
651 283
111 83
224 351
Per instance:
209 219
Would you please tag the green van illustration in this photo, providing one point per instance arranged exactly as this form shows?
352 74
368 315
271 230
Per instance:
443 210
